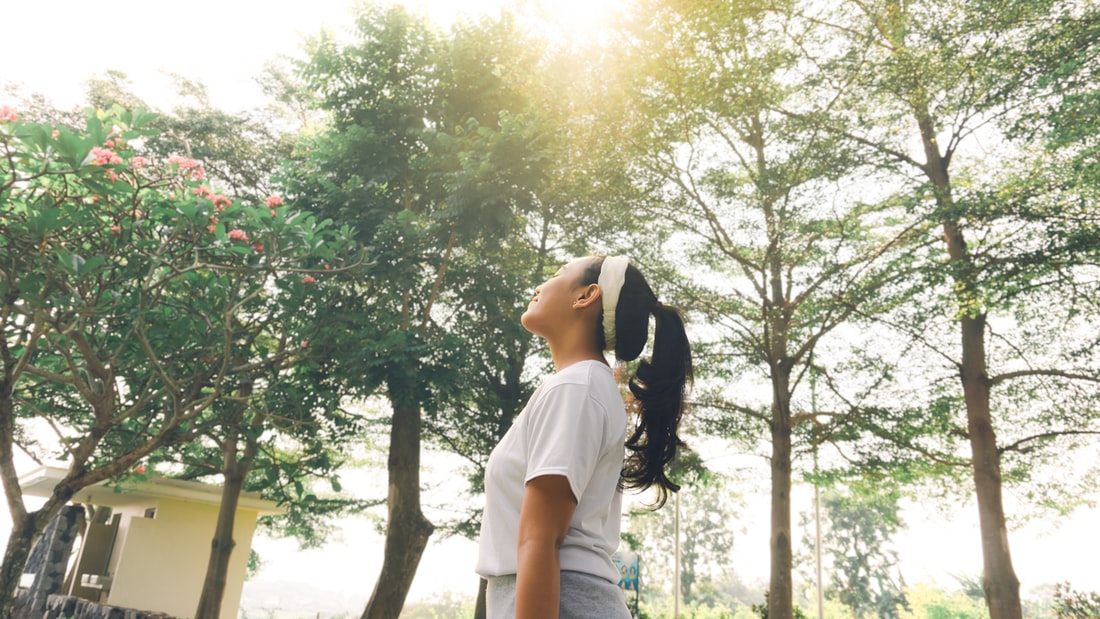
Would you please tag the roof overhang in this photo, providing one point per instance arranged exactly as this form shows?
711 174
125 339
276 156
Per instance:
42 480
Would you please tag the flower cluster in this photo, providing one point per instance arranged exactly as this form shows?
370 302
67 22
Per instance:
191 166
219 200
272 202
7 114
238 235
105 156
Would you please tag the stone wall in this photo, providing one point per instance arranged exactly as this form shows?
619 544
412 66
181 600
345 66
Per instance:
68 607
49 559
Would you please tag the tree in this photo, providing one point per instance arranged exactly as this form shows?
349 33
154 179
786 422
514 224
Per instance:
947 75
705 536
785 243
864 576
288 404
129 289
432 156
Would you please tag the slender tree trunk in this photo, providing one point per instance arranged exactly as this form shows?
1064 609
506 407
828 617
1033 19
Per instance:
407 530
781 588
20 542
1002 588
222 545
23 529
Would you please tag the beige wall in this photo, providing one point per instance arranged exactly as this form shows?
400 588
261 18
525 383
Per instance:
159 563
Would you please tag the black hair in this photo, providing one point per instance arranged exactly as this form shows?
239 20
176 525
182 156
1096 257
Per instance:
658 386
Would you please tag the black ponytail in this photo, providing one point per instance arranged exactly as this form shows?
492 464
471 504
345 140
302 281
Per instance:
659 384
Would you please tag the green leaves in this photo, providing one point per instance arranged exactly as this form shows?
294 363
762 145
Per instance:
129 281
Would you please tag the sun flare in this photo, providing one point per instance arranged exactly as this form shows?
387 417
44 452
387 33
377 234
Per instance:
577 19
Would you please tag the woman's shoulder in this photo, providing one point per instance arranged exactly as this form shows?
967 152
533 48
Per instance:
582 380
584 371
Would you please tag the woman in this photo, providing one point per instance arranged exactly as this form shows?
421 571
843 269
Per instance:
553 485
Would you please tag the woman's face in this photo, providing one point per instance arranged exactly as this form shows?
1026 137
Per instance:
553 304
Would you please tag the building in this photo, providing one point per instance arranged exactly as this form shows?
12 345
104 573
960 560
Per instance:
148 546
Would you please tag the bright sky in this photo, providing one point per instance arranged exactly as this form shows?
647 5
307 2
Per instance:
53 47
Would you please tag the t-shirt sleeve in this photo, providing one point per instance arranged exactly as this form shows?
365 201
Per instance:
565 436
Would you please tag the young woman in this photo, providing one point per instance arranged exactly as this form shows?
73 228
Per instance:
553 485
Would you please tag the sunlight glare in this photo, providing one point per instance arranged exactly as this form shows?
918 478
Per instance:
577 19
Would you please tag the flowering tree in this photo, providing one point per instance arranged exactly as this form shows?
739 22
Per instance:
133 298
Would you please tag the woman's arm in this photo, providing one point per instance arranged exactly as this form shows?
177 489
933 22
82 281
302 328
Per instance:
548 505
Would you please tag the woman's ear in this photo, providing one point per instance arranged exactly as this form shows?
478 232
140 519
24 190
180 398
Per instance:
590 295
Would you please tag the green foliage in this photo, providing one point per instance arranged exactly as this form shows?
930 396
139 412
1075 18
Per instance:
441 606
1070 604
137 300
706 538
928 602
118 265
761 610
862 567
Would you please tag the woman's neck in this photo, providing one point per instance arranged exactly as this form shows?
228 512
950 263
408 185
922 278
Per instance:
565 356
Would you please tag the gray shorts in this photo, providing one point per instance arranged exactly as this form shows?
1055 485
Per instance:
583 596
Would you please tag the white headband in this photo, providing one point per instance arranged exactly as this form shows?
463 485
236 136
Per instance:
612 276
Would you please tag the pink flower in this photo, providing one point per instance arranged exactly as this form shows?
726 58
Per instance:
138 161
305 344
211 228
115 229
203 192
112 175
54 134
259 247
273 201
309 279
188 165
274 213
220 202
139 469
7 114
238 235
104 156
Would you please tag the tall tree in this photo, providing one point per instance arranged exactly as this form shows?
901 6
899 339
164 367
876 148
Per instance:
782 251
433 152
947 77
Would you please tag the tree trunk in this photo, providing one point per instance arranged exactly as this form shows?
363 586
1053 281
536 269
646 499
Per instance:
25 527
1002 588
20 542
222 545
781 588
407 530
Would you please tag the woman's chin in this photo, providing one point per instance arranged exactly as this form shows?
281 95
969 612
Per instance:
528 322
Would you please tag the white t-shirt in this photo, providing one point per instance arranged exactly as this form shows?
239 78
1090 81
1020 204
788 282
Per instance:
574 426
